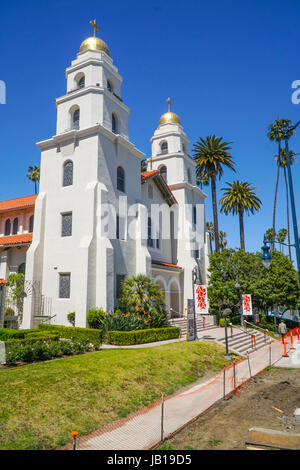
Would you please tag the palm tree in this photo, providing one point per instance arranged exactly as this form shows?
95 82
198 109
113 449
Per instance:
222 239
143 165
282 162
269 234
34 175
238 198
275 134
281 236
211 233
211 155
202 179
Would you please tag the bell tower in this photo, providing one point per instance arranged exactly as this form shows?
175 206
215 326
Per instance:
93 91
170 150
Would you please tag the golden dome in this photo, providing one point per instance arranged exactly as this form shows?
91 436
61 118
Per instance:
169 118
94 44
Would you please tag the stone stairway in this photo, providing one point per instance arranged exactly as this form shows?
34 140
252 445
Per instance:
202 325
241 342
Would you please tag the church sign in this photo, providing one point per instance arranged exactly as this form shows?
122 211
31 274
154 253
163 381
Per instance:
190 332
247 304
201 299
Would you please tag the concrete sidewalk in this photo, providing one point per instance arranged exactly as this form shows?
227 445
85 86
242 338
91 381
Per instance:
293 359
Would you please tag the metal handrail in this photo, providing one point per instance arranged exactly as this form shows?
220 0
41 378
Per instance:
255 326
239 328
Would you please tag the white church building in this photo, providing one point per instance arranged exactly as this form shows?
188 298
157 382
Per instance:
97 218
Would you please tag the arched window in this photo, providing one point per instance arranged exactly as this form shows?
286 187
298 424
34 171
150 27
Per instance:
194 216
149 239
114 123
75 119
109 86
31 220
189 175
7 227
15 226
81 82
21 268
163 172
121 179
164 147
68 174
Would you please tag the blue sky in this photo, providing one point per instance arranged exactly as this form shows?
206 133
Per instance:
228 67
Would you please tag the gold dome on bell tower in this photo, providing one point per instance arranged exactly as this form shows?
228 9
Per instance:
94 43
169 117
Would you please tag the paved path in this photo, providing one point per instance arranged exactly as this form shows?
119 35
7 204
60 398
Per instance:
293 359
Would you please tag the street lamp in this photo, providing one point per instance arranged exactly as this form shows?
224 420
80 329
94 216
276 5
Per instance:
266 255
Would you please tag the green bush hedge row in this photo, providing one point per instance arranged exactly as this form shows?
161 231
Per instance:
7 333
33 338
71 332
125 338
18 351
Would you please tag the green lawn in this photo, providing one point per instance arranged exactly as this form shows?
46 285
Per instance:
40 404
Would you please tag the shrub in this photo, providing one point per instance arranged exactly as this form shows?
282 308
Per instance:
140 294
7 333
71 318
94 317
93 336
222 322
123 338
9 312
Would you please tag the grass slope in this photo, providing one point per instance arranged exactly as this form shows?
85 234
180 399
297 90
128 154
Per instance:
40 404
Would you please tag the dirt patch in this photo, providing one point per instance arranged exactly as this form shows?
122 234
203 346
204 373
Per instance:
268 400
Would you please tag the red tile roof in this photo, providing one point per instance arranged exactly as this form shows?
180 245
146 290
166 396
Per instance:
169 265
16 239
19 203
3 281
147 174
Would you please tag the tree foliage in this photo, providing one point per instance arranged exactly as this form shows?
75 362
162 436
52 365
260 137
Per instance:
277 285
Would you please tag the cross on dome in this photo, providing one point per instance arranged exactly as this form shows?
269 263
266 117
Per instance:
96 28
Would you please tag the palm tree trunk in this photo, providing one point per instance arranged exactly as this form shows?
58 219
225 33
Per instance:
275 203
35 186
215 211
288 214
242 233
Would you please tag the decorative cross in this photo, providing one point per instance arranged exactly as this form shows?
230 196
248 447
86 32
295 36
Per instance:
150 161
94 24
169 103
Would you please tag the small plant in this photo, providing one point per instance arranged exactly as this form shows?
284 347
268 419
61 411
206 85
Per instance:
95 317
165 446
71 318
214 442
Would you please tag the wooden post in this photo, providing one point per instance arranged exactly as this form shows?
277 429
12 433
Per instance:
249 364
162 419
74 434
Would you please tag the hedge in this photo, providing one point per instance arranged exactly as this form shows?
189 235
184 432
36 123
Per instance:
32 350
150 335
7 333
33 338
72 332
